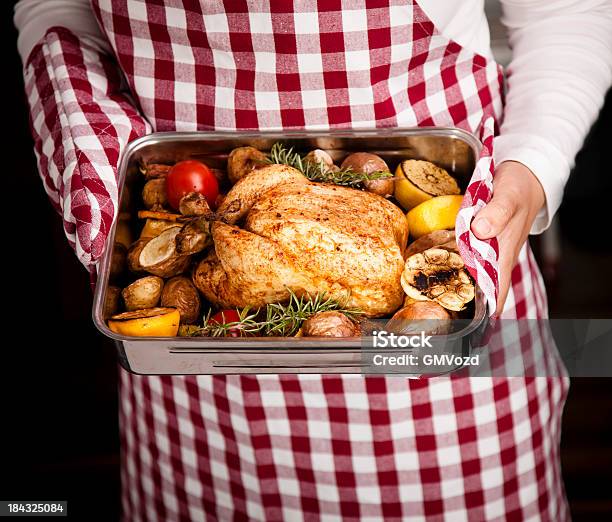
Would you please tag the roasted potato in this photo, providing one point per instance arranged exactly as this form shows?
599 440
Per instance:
143 293
330 324
159 256
112 301
382 187
180 293
154 194
420 316
368 163
134 254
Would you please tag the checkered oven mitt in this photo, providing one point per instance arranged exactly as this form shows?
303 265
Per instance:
480 257
81 120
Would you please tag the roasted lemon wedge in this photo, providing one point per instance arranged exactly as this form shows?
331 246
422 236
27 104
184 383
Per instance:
437 213
417 181
151 322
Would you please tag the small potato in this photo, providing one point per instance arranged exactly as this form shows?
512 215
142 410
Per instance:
134 255
180 293
420 316
154 194
382 187
159 256
171 266
364 162
243 160
118 261
368 163
143 293
330 324
111 301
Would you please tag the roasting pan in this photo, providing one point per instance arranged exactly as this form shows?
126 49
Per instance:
454 149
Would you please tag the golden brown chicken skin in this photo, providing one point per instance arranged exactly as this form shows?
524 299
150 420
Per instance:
279 231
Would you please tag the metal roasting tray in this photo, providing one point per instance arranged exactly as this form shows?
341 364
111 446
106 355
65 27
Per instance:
453 149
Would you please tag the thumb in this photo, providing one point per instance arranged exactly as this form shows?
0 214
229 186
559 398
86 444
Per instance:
493 218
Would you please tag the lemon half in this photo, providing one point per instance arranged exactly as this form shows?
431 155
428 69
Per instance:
437 213
151 322
417 181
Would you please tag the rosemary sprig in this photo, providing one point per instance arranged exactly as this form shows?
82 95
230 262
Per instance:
346 177
319 172
280 155
276 319
247 324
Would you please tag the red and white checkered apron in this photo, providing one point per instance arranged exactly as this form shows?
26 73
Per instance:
293 447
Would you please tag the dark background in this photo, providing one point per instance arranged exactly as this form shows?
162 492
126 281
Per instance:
58 402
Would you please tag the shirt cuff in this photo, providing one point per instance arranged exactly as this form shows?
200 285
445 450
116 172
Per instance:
546 163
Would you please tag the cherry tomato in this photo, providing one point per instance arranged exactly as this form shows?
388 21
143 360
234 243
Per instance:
191 176
228 316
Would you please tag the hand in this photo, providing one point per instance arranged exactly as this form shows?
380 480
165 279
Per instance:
517 198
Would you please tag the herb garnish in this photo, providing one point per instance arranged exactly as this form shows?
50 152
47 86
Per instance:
319 172
276 319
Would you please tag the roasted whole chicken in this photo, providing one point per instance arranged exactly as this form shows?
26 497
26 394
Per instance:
277 231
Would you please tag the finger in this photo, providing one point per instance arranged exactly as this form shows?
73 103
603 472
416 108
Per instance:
492 219
508 252
504 288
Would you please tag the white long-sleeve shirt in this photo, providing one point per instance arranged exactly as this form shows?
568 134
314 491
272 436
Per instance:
560 71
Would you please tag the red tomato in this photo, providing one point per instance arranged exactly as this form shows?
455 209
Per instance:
228 316
191 176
